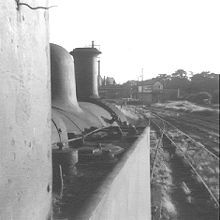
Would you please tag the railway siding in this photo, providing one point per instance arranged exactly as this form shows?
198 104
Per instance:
203 162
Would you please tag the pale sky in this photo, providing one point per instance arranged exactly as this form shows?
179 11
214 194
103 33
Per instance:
159 36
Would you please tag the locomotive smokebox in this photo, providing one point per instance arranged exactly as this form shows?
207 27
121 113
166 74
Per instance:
86 72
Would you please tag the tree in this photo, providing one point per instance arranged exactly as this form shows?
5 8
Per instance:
204 81
164 79
179 80
180 73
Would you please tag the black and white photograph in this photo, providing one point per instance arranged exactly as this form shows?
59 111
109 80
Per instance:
109 110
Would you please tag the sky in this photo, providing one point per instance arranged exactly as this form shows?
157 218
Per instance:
158 36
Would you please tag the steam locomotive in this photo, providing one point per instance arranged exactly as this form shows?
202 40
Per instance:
81 120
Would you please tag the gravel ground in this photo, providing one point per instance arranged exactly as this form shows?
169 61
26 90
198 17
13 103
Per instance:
176 192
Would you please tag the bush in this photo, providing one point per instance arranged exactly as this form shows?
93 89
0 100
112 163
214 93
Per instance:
200 98
190 97
215 97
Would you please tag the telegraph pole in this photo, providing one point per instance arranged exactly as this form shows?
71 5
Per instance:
142 87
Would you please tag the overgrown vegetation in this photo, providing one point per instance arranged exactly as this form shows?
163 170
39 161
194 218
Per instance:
200 97
193 87
185 106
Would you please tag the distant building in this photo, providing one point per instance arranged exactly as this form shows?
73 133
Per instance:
149 91
115 91
110 81
130 83
106 81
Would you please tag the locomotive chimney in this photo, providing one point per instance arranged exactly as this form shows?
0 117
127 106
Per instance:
63 79
86 68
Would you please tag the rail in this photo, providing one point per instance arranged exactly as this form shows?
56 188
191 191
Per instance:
157 149
205 168
200 145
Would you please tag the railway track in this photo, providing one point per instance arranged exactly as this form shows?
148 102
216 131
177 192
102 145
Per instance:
159 143
203 129
171 130
187 181
203 162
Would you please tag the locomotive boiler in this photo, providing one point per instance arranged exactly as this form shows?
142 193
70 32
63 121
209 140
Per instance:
76 106
78 113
